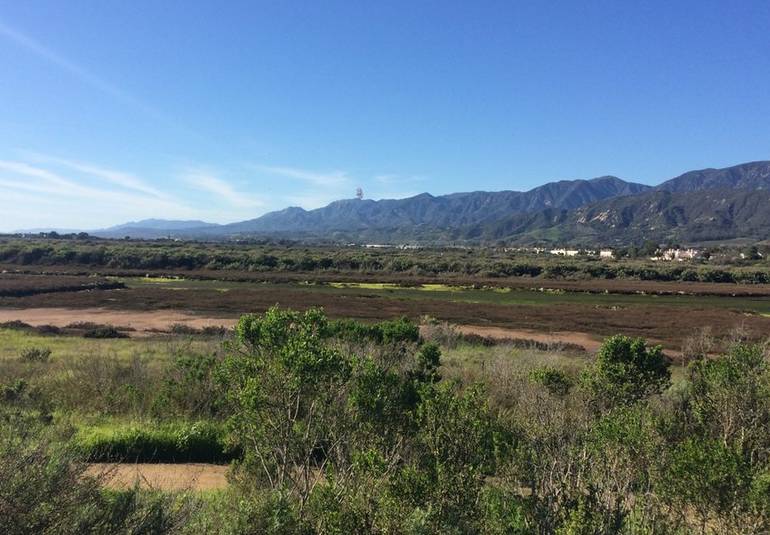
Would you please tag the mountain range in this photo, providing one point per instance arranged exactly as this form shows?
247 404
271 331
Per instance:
703 205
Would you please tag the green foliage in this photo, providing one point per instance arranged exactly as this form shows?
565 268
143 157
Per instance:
388 332
44 490
556 381
342 427
104 332
626 370
428 363
261 257
284 385
706 475
190 387
457 440
170 442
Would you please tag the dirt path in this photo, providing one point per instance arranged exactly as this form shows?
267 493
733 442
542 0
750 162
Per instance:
140 320
591 343
190 476
146 322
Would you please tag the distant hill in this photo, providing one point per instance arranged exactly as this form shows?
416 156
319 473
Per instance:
425 211
152 228
707 215
707 204
163 224
46 229
752 175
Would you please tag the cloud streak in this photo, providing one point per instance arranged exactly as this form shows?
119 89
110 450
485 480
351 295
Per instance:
54 185
333 178
210 183
43 52
119 178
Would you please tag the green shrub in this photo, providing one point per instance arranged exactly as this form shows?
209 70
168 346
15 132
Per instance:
626 370
556 381
104 332
396 331
44 489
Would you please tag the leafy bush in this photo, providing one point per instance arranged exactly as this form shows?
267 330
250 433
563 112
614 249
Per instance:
556 381
44 489
626 370
104 332
397 331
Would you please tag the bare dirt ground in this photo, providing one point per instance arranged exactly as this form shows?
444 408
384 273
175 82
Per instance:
168 477
143 320
155 320
591 343
147 322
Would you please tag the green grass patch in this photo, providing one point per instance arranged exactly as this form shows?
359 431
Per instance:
201 441
14 342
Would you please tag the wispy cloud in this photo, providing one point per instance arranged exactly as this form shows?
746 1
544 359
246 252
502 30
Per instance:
52 184
88 77
30 44
323 179
208 182
119 178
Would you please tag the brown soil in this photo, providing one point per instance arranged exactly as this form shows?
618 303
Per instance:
589 342
168 477
141 321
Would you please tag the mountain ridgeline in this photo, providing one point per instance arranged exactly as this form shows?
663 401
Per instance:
704 205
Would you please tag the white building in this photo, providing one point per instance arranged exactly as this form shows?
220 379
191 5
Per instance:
679 255
564 252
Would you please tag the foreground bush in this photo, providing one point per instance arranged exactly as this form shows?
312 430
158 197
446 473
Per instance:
340 429
44 490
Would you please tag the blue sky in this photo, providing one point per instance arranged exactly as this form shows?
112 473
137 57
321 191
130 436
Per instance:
113 111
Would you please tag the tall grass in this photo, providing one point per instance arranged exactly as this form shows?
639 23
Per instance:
201 441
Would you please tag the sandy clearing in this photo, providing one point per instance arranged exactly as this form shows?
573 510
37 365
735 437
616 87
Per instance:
588 341
146 321
161 476
139 320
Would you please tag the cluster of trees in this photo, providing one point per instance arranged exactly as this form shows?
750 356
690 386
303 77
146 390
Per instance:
426 262
376 442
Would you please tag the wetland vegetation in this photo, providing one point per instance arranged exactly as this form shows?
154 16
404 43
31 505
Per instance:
466 415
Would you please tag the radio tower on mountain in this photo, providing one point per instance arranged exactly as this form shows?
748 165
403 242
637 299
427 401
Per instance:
359 193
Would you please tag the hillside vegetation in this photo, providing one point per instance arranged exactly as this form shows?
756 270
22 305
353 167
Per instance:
464 264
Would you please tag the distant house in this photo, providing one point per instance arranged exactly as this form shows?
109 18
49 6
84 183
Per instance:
564 252
678 255
607 253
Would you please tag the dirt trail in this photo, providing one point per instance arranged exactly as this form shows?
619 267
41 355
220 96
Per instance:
591 343
188 476
145 322
139 320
